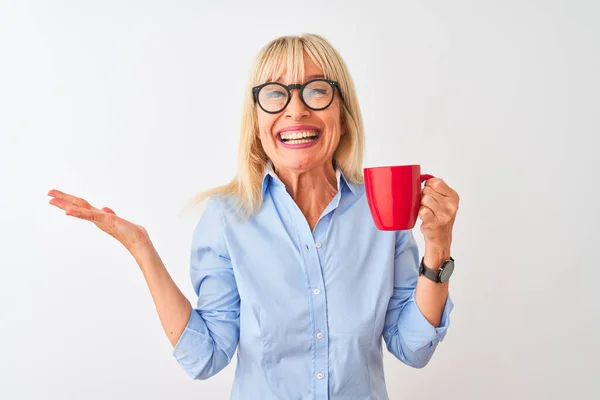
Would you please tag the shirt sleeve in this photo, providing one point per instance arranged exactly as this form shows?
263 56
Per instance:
211 335
407 333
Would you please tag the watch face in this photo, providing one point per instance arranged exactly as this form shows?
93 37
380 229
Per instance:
447 270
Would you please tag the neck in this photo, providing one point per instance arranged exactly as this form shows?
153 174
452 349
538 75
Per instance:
312 190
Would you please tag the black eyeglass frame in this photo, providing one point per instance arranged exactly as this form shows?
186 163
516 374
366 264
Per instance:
288 88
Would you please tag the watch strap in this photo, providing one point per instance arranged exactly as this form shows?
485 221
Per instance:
432 275
428 272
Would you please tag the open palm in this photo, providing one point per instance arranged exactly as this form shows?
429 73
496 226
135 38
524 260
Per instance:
129 234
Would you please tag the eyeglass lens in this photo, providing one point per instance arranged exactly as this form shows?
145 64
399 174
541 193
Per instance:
317 95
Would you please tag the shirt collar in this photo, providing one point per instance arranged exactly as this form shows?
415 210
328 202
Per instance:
271 176
352 186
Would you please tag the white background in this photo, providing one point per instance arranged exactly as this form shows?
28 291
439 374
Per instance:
136 106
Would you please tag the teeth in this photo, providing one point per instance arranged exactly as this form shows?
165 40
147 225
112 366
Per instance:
297 135
296 141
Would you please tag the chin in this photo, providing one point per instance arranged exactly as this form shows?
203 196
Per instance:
296 163
299 165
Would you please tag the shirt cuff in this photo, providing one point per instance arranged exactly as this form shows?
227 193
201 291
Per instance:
194 340
416 331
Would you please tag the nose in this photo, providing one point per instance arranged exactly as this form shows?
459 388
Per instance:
296 108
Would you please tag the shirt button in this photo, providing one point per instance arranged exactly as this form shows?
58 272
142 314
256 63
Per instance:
319 376
318 244
316 291
320 335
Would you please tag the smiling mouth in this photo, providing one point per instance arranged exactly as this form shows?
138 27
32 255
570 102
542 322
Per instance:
298 137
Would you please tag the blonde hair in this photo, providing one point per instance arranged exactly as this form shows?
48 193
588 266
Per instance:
281 54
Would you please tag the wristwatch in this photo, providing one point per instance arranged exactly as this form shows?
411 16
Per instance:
441 275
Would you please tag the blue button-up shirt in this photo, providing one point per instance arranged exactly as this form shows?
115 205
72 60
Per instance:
305 309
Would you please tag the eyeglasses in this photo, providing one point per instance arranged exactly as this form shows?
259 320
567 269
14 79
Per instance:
316 94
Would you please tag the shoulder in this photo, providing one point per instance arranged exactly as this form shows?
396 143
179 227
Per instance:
221 212
208 232
211 219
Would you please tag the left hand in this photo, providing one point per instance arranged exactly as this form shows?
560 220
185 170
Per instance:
439 204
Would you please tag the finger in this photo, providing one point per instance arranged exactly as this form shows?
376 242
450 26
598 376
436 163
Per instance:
430 191
445 202
108 210
79 202
89 215
426 214
436 208
60 203
449 204
433 201
438 185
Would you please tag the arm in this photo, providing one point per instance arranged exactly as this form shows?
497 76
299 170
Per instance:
205 338
439 205
208 341
172 306
431 296
408 333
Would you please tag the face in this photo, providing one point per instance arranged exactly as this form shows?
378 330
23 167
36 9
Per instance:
298 138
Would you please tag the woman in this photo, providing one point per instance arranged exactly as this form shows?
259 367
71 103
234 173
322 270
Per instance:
286 261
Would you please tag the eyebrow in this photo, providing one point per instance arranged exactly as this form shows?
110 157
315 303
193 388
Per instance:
308 78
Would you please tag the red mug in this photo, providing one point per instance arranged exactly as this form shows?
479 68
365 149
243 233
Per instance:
394 195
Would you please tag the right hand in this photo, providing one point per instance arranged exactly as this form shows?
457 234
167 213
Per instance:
132 236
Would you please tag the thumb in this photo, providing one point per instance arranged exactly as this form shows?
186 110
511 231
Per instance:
108 210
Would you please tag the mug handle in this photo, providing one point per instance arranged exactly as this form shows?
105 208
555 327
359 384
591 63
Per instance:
424 177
